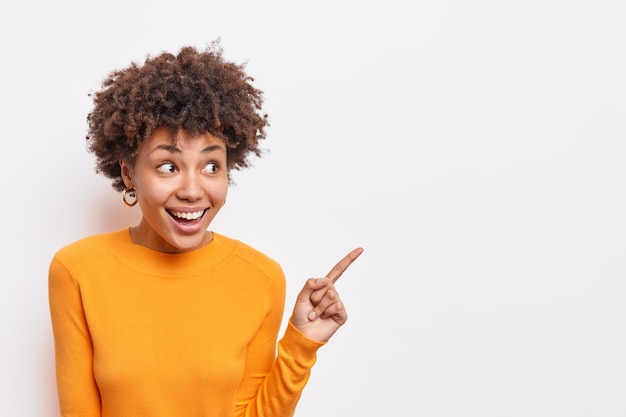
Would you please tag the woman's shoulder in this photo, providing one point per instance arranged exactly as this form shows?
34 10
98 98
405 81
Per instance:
246 253
90 247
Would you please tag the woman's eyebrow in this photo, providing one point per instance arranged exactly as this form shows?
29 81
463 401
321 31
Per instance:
213 148
174 149
168 148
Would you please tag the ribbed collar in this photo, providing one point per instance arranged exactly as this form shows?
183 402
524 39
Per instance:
159 263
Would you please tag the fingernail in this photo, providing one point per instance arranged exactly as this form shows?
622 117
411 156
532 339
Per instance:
312 315
321 280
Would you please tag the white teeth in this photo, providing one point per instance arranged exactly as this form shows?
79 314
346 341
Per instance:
188 216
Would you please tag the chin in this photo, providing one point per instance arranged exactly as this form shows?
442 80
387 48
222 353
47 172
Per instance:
189 244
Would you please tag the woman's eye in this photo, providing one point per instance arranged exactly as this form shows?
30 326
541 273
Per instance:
166 168
211 167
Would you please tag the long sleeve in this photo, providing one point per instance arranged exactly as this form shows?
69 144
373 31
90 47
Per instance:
78 393
273 383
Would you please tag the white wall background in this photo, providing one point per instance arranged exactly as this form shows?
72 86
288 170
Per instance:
475 149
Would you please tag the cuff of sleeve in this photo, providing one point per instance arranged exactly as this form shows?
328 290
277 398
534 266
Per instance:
300 346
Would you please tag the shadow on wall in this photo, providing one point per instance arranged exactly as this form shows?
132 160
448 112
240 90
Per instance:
108 212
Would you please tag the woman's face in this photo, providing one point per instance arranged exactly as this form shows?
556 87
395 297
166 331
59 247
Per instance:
180 186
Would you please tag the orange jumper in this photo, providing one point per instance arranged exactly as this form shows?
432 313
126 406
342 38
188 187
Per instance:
143 333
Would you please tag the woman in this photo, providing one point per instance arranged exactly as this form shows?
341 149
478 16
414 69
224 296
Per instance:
167 318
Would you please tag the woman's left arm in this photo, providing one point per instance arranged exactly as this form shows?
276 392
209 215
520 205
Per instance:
274 378
273 383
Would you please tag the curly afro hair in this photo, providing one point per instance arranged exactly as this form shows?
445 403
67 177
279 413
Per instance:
196 90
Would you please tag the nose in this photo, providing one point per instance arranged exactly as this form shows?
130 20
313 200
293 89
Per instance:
190 187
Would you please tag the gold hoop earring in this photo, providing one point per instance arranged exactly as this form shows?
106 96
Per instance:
132 193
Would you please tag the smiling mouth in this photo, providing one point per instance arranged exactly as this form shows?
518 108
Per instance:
187 217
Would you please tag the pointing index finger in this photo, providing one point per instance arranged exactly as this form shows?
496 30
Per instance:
343 264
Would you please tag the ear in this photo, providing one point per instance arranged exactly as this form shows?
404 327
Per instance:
126 173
